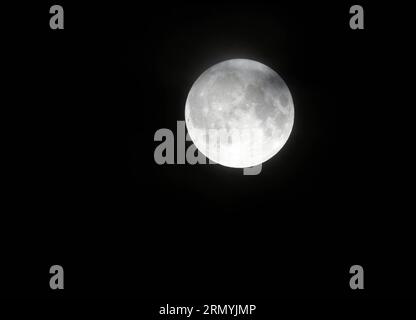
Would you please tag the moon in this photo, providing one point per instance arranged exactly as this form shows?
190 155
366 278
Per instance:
239 113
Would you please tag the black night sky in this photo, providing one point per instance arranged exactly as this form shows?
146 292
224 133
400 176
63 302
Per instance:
86 192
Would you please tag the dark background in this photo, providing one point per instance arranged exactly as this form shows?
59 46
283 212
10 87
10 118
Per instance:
82 189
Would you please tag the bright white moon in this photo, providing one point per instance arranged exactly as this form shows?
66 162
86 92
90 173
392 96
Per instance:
239 113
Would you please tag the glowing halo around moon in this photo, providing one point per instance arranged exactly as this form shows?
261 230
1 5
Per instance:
239 113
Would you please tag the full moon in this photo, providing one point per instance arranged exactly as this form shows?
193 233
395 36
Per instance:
239 113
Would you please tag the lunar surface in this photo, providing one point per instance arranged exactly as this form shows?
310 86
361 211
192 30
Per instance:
239 113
